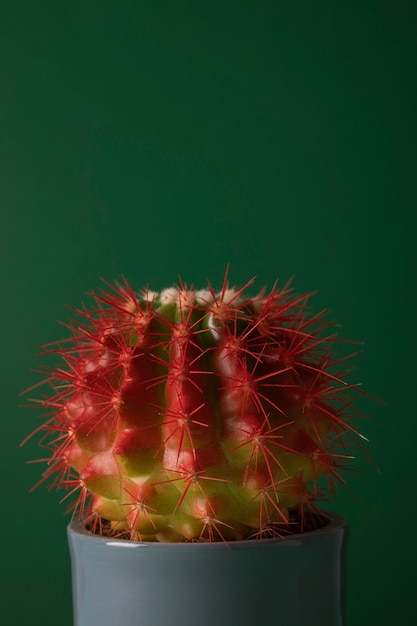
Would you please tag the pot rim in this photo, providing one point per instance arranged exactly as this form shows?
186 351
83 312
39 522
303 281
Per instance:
337 523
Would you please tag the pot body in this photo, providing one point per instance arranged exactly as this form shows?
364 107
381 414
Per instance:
297 581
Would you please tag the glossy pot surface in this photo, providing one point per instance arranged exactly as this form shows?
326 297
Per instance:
297 581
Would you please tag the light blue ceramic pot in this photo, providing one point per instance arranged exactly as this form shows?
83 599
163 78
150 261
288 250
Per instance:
297 581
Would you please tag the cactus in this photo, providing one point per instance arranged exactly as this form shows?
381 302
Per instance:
193 415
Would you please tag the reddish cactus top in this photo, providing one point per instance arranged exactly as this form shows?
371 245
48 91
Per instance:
195 415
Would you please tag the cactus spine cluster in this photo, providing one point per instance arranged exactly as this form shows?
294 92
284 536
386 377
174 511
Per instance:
193 415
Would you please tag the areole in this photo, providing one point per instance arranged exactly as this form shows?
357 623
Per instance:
296 581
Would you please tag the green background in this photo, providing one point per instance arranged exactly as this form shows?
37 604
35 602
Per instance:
157 138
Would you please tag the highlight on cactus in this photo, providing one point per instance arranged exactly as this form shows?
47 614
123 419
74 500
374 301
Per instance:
197 415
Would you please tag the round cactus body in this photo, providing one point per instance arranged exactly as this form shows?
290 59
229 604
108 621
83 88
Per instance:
193 415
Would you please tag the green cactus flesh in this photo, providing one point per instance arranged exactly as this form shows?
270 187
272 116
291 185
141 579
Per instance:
196 415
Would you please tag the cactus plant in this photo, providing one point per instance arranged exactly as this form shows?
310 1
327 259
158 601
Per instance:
190 415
